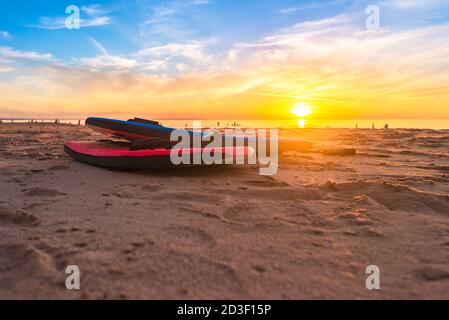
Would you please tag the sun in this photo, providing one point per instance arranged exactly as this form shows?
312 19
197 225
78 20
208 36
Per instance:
301 110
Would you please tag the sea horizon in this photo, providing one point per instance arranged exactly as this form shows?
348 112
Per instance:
433 124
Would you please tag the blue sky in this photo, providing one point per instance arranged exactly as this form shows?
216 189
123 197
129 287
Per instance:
135 24
256 53
130 25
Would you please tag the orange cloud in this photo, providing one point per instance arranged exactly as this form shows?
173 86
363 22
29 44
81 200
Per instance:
341 71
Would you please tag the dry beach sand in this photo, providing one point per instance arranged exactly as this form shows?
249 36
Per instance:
308 232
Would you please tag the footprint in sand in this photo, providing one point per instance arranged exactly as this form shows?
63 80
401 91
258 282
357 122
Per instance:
42 192
19 217
136 245
189 196
34 205
151 188
81 244
204 280
357 218
227 274
123 195
259 268
268 182
247 213
188 236
27 261
14 180
71 230
201 212
58 167
432 274
280 194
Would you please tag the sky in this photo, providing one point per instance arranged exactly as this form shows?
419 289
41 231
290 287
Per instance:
225 59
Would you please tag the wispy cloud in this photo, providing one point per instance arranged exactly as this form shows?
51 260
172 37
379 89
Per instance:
299 8
164 19
99 46
200 2
5 35
174 57
193 50
10 53
90 16
309 6
336 63
13 60
289 10
340 42
413 4
5 65
5 69
94 10
60 23
163 11
106 60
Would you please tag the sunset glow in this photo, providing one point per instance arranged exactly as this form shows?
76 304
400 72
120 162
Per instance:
164 65
301 110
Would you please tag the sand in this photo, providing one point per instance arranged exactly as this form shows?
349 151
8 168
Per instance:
307 233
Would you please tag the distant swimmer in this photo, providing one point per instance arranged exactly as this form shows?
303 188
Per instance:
386 126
